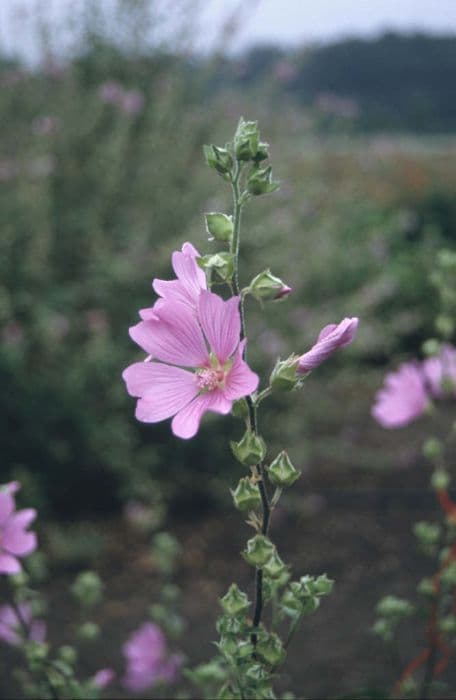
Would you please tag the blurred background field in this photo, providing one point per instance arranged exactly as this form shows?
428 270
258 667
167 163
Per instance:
101 177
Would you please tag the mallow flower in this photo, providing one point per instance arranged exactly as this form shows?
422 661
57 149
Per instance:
402 398
440 372
330 339
103 678
15 540
147 659
12 623
196 363
191 279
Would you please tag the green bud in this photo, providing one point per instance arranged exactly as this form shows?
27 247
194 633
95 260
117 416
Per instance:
267 287
428 535
440 480
246 495
170 593
448 575
219 227
281 471
227 646
448 624
221 265
432 448
227 626
444 325
261 182
235 602
219 159
68 654
246 140
262 152
259 550
383 629
250 450
394 608
240 409
20 580
87 588
270 648
431 347
88 631
284 377
36 654
275 567
257 673
320 586
203 674
290 604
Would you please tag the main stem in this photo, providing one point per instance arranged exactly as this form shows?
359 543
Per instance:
252 409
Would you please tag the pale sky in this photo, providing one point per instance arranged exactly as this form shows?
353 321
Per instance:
277 21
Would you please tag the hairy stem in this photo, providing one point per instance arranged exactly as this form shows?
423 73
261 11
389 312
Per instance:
252 405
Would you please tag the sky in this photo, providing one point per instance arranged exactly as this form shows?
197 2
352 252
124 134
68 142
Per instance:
288 22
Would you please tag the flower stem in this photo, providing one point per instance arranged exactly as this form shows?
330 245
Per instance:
252 405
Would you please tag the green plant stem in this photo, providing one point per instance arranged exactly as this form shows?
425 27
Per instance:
252 406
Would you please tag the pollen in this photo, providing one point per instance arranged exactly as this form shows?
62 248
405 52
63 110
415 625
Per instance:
209 379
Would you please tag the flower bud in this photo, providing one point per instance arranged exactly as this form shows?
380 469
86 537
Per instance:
270 648
431 347
281 471
87 588
262 152
246 140
448 624
448 576
432 448
393 608
267 287
261 182
440 480
246 495
219 264
284 376
68 654
426 587
275 567
36 654
219 227
250 450
235 602
427 534
240 409
227 625
88 631
219 159
259 550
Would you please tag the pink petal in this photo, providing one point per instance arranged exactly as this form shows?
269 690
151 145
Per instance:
172 289
148 314
163 389
38 631
221 323
186 423
189 273
177 337
241 381
15 539
9 564
6 506
103 678
143 335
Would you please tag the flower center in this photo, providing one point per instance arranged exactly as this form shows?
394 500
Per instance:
209 379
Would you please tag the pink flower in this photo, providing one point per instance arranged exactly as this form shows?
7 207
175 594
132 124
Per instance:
197 362
14 540
330 339
403 397
188 285
148 662
440 372
103 678
132 102
111 92
12 625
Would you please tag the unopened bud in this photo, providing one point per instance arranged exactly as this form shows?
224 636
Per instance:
246 140
284 376
250 450
268 287
87 588
235 602
221 265
440 480
261 182
219 227
259 550
246 495
219 159
281 471
275 567
432 448
270 648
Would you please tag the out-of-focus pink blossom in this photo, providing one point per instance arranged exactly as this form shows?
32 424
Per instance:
45 125
330 339
111 92
208 341
403 398
103 678
440 372
132 102
15 540
147 659
15 625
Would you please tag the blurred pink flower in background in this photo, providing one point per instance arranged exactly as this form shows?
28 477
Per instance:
45 125
330 339
103 678
111 92
440 372
147 659
402 398
12 624
130 102
209 343
15 541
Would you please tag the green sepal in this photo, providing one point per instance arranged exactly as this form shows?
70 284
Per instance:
258 551
250 450
235 602
246 495
281 471
219 226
